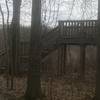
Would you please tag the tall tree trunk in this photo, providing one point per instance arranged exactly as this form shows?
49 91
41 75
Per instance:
33 91
98 56
14 38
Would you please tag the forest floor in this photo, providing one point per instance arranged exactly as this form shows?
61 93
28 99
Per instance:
66 88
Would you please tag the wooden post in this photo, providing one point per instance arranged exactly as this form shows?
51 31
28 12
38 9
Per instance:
82 60
61 60
64 61
58 67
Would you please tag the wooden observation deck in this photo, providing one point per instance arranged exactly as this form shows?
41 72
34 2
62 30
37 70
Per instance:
78 32
74 32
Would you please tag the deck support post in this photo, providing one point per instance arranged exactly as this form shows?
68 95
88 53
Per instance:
62 60
59 64
82 61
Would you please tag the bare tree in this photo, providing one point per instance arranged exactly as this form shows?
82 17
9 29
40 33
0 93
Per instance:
98 56
3 19
33 91
14 38
5 32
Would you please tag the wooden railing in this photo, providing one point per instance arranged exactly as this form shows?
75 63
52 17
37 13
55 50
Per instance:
82 31
81 28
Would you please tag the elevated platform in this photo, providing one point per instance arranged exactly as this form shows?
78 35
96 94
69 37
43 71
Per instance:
74 32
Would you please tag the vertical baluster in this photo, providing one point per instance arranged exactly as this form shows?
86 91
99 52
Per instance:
87 30
68 30
74 28
78 28
92 28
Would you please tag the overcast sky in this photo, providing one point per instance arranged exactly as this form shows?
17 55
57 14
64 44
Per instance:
54 10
